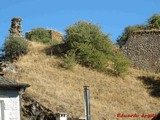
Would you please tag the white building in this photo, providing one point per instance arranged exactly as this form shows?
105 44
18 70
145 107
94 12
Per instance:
10 99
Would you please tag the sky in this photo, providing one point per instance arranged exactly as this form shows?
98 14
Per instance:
111 15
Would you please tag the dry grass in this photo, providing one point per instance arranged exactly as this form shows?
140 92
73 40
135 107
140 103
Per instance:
62 90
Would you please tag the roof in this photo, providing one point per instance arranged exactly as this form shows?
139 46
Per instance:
11 84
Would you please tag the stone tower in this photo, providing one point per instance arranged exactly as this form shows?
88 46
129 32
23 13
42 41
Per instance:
16 28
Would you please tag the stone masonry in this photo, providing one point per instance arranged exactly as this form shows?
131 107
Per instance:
54 35
143 49
16 28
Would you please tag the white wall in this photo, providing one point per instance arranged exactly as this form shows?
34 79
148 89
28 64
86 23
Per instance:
11 104
61 117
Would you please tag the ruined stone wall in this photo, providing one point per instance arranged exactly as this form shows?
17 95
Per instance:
143 49
16 28
56 35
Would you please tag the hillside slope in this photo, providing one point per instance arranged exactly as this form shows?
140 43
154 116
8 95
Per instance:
62 90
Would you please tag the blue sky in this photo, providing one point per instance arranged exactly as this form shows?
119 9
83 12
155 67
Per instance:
112 15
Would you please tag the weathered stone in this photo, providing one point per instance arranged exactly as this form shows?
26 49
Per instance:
143 49
32 110
55 35
16 28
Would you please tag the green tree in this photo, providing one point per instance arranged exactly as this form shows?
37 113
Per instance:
154 22
88 34
92 48
15 47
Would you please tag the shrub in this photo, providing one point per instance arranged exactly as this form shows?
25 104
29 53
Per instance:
15 47
91 57
69 61
120 64
89 43
154 22
40 35
92 48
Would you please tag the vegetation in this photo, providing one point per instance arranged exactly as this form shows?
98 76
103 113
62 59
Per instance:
62 90
127 31
40 35
92 48
152 23
15 47
120 64
69 61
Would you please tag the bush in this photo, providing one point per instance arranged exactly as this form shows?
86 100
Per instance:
15 47
39 35
91 57
92 48
69 61
120 64
154 22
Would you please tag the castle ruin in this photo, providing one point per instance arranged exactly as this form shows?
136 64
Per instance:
143 49
55 35
16 28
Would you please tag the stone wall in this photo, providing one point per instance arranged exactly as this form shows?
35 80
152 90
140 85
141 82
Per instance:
56 35
143 49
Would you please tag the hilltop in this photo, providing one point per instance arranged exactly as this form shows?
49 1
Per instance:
61 90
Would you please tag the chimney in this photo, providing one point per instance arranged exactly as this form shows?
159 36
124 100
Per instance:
61 116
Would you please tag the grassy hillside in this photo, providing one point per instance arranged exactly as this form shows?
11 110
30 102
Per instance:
62 90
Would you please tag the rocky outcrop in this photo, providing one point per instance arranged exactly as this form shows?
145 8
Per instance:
32 110
7 66
143 49
16 28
